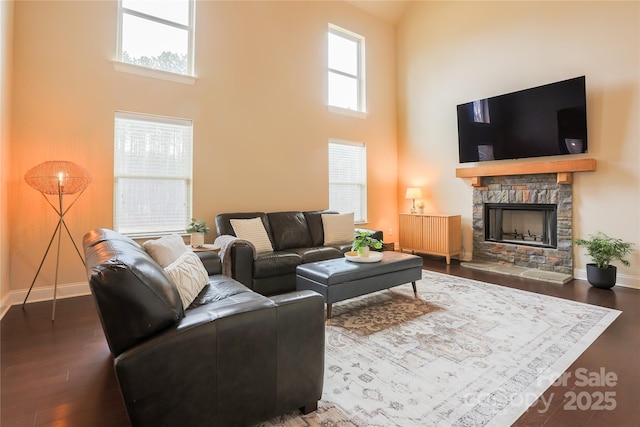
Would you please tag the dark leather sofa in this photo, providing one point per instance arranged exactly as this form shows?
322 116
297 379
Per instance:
232 358
296 237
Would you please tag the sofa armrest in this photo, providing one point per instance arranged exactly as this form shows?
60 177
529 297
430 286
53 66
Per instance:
211 262
242 264
237 257
300 349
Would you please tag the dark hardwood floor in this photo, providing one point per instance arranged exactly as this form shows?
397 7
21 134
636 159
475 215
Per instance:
60 373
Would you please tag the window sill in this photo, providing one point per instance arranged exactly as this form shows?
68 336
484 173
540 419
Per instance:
156 74
348 112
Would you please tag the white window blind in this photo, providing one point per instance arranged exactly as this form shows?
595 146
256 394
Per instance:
346 69
157 34
348 178
153 174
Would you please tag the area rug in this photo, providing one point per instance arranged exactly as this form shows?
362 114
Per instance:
464 353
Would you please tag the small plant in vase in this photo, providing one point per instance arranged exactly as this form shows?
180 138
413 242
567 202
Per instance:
603 250
363 242
420 206
197 228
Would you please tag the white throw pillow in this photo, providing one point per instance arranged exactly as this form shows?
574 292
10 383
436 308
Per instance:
338 228
252 230
165 250
189 276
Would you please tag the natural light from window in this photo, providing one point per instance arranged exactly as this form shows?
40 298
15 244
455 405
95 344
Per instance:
157 34
345 78
152 174
348 178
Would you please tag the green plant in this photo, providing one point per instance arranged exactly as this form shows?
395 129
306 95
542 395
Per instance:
197 226
363 239
604 249
420 204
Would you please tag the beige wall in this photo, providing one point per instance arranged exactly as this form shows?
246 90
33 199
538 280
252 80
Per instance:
455 52
261 125
6 43
260 121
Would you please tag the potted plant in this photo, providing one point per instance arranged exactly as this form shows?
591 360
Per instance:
197 228
603 250
420 206
363 242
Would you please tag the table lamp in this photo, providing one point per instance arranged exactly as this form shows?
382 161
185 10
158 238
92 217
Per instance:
413 193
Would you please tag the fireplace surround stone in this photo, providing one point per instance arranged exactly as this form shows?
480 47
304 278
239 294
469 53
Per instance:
525 189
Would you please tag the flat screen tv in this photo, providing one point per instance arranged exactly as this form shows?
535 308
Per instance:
546 120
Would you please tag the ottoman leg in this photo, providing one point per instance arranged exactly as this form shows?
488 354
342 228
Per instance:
328 314
415 291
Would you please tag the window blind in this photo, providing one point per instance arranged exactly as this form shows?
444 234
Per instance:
152 174
348 178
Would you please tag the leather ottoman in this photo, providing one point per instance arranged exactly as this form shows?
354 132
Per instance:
339 279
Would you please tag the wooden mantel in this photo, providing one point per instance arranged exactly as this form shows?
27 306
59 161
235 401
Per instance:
564 170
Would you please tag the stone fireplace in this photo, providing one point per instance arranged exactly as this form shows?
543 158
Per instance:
524 220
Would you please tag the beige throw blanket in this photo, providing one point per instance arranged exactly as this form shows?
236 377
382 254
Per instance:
226 242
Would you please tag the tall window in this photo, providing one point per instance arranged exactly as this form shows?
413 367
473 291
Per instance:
152 172
157 34
348 178
346 69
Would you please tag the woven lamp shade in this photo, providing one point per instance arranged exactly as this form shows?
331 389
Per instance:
58 176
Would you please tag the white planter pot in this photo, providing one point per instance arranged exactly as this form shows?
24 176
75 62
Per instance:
364 252
197 240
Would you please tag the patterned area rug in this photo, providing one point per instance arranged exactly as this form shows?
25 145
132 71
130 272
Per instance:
465 353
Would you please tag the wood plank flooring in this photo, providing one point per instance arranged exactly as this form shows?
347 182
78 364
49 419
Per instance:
60 373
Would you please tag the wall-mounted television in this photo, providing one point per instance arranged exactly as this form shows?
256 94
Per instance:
546 120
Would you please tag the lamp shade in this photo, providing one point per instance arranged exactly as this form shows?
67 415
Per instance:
58 177
413 193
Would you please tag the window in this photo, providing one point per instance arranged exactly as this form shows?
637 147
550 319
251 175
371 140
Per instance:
346 69
348 178
152 173
157 34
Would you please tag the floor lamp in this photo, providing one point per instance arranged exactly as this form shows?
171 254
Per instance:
57 178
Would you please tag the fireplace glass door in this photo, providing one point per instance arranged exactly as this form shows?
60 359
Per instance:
521 223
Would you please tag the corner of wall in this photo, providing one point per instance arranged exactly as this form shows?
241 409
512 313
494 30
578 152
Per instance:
6 43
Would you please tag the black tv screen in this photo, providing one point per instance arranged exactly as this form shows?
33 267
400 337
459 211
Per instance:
546 120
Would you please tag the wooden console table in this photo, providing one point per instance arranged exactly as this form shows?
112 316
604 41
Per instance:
431 234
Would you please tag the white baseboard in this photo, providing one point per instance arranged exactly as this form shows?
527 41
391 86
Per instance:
44 293
624 280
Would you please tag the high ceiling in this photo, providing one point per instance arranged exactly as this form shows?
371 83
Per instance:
389 10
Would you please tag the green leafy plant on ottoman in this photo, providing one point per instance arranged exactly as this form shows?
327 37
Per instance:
363 242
